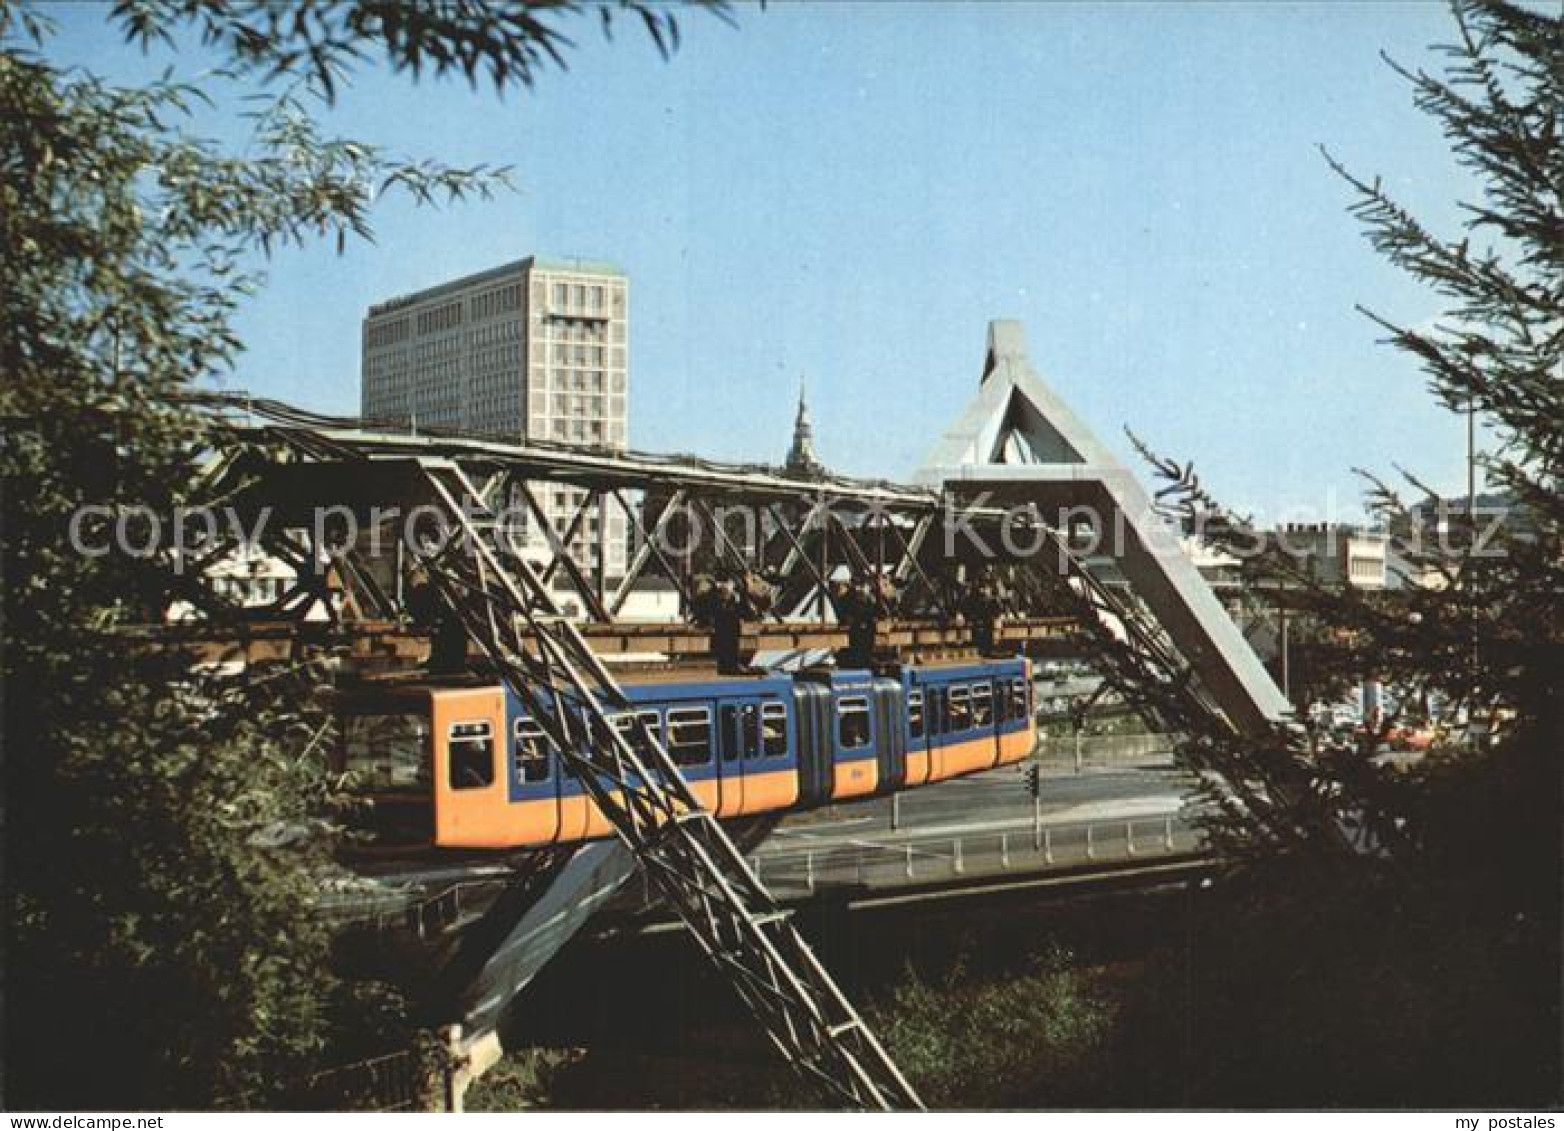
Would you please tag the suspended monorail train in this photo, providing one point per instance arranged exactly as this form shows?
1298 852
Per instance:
462 765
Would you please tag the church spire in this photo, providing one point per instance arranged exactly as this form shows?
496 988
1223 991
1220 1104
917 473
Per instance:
801 458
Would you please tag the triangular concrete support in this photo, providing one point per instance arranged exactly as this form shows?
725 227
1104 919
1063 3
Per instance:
1017 443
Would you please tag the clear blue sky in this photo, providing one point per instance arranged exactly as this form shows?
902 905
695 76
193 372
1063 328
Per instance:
852 192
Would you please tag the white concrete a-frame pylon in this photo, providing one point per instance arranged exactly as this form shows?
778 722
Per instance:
1017 443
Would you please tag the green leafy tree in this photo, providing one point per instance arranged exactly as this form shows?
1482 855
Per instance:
1452 871
160 948
1477 627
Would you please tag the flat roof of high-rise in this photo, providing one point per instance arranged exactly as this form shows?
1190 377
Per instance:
538 262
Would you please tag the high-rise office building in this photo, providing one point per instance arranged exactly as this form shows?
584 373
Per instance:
533 350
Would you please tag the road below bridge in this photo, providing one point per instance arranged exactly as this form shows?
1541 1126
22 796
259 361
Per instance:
977 832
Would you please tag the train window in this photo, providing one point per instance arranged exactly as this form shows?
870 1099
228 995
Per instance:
852 723
635 727
915 714
471 749
531 752
1018 697
773 730
982 705
960 708
1002 710
939 709
689 735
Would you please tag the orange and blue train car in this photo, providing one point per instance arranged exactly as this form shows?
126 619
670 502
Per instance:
466 767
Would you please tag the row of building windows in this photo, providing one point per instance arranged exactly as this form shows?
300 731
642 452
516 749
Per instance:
497 414
386 333
506 334
439 377
579 365
578 430
446 317
575 381
578 406
583 297
579 354
587 529
250 590
496 357
588 301
501 300
385 337
579 330
437 350
508 331
487 363
1367 569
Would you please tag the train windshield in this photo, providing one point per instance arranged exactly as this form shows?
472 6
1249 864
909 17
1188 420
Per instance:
387 753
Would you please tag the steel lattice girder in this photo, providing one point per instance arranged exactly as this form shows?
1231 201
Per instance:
681 847
801 535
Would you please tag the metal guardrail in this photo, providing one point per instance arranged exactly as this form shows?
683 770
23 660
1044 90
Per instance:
801 873
1105 749
419 912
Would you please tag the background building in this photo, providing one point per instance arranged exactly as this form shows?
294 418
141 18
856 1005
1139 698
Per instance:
534 350
1338 556
801 459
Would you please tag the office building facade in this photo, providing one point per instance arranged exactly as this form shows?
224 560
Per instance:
534 350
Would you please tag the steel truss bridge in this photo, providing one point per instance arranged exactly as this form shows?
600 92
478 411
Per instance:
909 561
781 565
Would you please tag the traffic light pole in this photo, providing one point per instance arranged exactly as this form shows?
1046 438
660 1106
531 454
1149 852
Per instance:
1037 816
1034 786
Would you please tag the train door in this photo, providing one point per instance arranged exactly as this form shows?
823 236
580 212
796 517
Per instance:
738 745
937 705
856 760
577 812
918 767
1018 735
984 718
771 779
535 774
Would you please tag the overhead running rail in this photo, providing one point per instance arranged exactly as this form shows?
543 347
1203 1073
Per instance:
261 419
